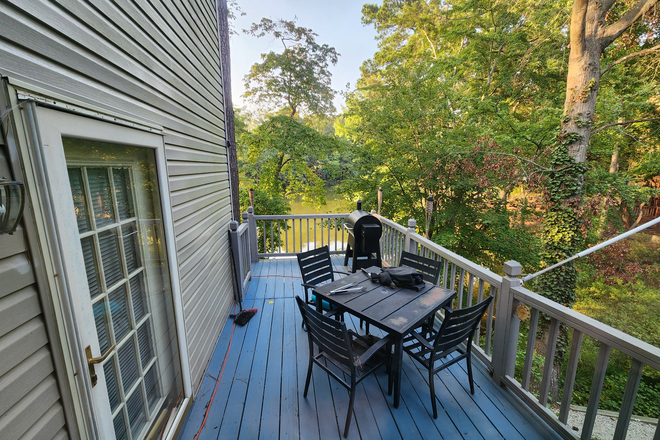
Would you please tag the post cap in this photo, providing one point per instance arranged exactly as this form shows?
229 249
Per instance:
412 222
512 268
233 225
250 209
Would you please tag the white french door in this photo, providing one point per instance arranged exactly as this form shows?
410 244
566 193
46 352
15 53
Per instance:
106 201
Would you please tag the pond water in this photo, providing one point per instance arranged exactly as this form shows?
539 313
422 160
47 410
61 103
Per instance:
301 235
335 205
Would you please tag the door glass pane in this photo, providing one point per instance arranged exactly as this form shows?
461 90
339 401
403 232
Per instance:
119 312
125 256
138 296
99 188
120 426
144 342
128 366
136 412
79 199
89 255
151 386
131 253
101 320
123 192
110 257
111 382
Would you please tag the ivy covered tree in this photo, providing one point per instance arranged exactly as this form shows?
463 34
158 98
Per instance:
595 26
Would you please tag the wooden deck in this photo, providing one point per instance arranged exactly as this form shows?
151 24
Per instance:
261 370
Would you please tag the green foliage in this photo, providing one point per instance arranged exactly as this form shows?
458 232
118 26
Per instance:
620 287
281 158
298 78
647 403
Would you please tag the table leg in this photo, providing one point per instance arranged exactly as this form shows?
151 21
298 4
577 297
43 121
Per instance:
398 367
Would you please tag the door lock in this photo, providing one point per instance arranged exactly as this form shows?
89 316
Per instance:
91 361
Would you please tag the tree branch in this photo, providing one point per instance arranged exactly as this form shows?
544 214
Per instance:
623 123
628 57
613 31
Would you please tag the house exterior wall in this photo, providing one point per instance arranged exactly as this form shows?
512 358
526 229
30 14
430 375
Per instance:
30 403
151 61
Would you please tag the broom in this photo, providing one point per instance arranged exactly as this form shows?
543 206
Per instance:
244 316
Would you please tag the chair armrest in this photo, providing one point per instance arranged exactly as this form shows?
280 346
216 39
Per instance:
342 272
422 340
374 348
336 311
310 286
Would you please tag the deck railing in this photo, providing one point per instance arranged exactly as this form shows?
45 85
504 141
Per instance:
496 341
239 241
575 326
471 281
287 235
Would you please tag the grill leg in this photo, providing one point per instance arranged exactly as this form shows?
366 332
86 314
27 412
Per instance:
348 254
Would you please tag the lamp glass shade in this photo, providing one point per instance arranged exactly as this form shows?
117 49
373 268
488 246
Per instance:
12 200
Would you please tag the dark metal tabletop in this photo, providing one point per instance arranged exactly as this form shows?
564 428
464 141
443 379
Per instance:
394 310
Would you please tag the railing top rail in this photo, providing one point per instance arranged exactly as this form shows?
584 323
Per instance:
625 343
483 273
299 217
392 224
242 228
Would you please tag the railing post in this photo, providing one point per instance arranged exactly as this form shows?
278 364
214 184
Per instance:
236 258
408 244
252 236
244 216
507 325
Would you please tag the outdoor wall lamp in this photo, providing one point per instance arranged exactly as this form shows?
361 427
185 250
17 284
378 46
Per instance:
12 201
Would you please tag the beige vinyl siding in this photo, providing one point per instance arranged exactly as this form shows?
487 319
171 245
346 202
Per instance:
29 395
156 62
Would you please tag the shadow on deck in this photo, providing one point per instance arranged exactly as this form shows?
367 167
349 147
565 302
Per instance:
254 384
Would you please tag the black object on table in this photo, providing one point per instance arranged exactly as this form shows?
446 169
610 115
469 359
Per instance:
396 311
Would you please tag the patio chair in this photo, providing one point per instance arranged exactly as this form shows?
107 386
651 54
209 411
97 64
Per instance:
343 351
458 326
430 270
316 269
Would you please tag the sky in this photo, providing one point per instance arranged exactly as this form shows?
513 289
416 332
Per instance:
337 23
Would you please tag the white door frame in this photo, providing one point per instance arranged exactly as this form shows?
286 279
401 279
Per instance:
51 126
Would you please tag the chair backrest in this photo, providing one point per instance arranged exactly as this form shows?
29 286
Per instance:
330 335
430 269
459 325
316 266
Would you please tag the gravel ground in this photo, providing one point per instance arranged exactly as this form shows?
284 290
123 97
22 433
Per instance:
605 426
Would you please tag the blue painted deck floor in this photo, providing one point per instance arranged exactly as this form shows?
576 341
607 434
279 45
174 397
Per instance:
261 370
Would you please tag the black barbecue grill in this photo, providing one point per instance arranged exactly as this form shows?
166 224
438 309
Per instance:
364 232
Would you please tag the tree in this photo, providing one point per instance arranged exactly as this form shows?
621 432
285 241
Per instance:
595 26
446 78
281 152
298 78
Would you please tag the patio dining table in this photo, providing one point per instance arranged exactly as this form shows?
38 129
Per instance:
396 311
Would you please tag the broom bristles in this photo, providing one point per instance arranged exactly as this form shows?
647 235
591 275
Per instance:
244 317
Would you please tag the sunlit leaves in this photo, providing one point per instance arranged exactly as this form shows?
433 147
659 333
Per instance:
297 78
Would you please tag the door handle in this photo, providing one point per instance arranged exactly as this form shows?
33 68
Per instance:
91 361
